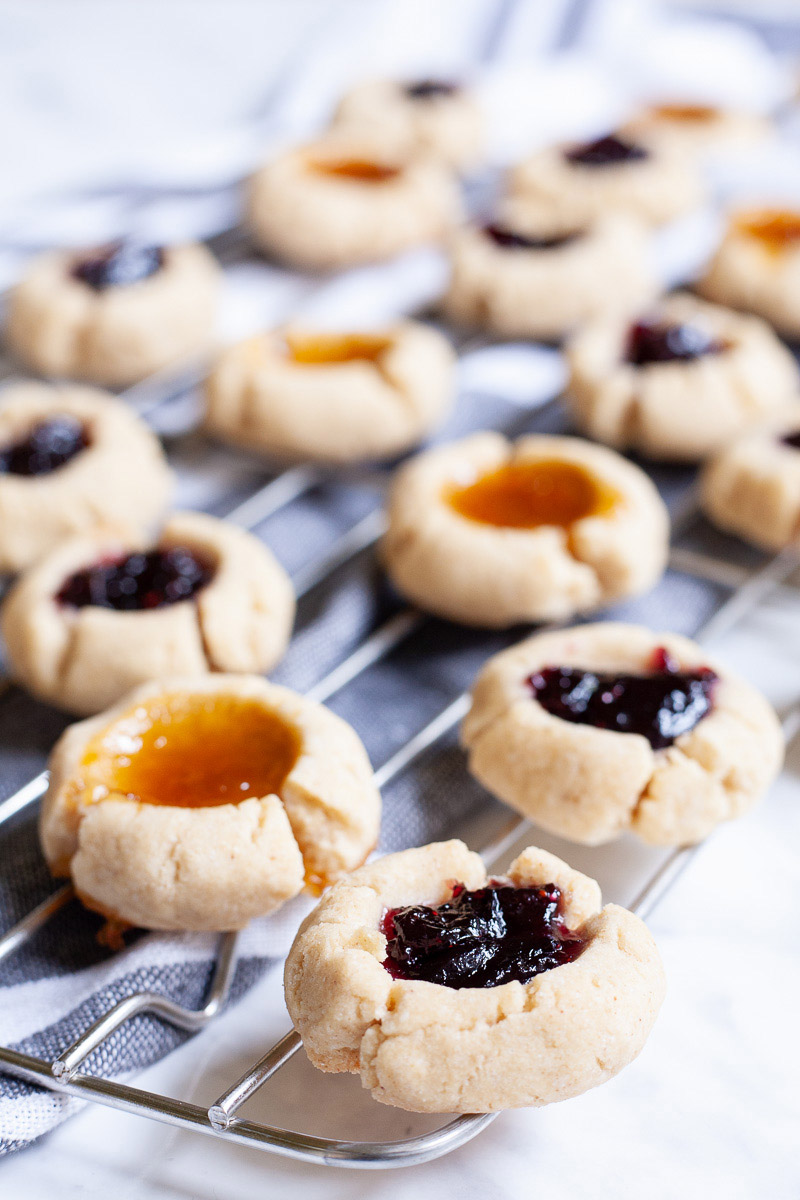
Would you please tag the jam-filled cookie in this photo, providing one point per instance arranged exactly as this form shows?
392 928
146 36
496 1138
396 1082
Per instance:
428 116
696 127
202 803
114 314
72 459
492 533
575 183
757 267
343 201
594 731
752 487
678 382
332 397
448 991
522 277
105 612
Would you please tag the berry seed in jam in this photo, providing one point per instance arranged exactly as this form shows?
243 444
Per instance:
660 706
118 265
792 440
509 240
480 939
430 89
654 342
138 581
605 152
48 446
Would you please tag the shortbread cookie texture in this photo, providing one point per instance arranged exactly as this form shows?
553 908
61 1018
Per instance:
343 201
426 116
522 277
72 459
432 1047
757 267
576 183
105 612
679 381
696 127
752 486
115 314
492 533
594 731
297 394
202 803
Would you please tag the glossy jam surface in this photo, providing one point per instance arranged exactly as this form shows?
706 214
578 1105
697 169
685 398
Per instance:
430 89
138 581
775 229
118 265
324 349
792 440
508 239
659 342
606 152
48 446
690 113
358 170
192 751
660 705
525 495
480 939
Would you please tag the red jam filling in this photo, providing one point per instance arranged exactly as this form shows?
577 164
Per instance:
661 706
792 439
480 939
48 446
118 265
138 581
358 170
605 152
654 342
430 89
508 239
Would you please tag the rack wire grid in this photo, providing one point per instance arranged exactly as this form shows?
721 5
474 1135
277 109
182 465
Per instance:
735 581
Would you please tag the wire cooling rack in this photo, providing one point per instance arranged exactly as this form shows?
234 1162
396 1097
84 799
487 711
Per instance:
738 589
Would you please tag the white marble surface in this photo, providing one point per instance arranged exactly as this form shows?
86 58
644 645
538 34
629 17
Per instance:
711 1108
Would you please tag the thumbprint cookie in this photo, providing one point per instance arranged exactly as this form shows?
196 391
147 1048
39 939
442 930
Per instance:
450 991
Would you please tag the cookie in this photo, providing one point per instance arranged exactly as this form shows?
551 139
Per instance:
72 459
426 116
294 393
115 314
577 183
678 382
107 611
527 1025
757 268
752 486
603 729
491 533
521 277
696 127
203 803
343 200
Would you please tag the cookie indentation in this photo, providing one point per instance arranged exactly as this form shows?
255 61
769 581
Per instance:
430 89
690 113
527 495
661 705
661 342
509 239
46 447
328 349
358 170
776 229
119 265
607 151
481 939
188 750
138 581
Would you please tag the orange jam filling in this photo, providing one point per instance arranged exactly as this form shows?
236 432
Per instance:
323 349
526 495
192 751
360 170
684 112
775 228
